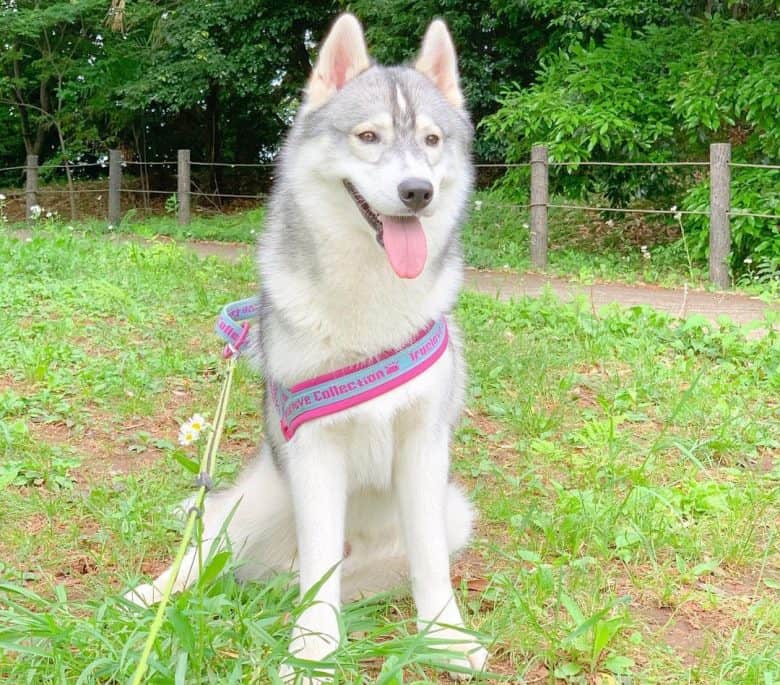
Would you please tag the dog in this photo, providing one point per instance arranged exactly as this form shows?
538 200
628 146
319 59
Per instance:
360 257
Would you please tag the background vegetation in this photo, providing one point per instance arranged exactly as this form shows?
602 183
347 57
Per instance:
604 80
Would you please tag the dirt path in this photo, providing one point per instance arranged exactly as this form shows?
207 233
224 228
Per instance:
740 309
505 285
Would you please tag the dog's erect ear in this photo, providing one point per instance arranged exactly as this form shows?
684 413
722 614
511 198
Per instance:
439 62
343 56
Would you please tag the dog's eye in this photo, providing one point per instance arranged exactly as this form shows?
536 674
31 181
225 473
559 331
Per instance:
432 140
368 137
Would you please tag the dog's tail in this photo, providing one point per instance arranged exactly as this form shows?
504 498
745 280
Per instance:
254 519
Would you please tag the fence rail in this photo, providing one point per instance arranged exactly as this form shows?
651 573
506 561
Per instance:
720 211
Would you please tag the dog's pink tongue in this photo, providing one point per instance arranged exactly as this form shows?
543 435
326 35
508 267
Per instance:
405 244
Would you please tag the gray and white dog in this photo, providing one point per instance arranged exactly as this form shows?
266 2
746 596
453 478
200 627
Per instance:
360 253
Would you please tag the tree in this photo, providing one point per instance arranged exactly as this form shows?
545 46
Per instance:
231 70
662 93
46 45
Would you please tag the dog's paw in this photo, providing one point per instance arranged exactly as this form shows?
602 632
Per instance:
143 595
472 657
313 647
288 675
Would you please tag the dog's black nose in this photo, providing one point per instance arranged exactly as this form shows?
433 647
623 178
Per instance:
415 193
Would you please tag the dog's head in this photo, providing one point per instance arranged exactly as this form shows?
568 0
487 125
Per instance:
389 146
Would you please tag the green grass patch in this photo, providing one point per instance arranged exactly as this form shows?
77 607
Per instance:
585 246
626 468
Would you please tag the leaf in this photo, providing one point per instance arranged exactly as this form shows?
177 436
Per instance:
574 611
214 568
528 555
567 669
180 677
8 475
619 665
706 567
186 462
182 628
603 632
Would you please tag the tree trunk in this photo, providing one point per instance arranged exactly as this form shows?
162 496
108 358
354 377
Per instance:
71 193
32 145
214 142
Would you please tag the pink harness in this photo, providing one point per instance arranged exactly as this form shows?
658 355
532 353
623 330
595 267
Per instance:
344 388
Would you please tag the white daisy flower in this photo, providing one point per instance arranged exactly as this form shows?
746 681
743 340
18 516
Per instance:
198 423
187 436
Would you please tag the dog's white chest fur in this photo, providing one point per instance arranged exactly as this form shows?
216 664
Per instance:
369 455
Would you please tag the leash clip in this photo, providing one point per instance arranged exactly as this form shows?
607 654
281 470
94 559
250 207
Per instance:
194 509
204 480
234 348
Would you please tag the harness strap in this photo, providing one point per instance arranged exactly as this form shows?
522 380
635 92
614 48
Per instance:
356 384
341 389
228 325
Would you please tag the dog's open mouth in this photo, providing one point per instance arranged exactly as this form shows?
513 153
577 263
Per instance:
402 237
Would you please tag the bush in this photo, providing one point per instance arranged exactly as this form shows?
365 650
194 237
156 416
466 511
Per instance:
662 94
752 238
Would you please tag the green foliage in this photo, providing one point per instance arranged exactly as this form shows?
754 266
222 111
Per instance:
725 85
46 55
226 66
661 94
573 22
587 105
497 41
755 241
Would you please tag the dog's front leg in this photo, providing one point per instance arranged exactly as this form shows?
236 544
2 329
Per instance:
421 484
317 476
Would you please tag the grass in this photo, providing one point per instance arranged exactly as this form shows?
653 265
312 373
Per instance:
585 246
496 235
626 467
582 246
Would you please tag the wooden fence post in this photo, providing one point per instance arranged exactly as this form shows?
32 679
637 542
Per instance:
114 187
539 201
720 205
32 186
183 187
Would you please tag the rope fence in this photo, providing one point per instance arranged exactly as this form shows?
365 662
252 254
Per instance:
720 212
130 163
628 210
478 165
262 165
145 191
259 196
75 191
624 164
740 165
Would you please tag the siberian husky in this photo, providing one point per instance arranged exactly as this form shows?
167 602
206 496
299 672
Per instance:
360 255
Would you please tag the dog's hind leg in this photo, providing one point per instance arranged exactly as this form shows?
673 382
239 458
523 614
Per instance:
377 560
253 518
